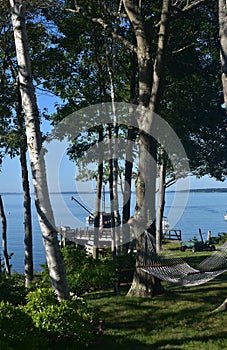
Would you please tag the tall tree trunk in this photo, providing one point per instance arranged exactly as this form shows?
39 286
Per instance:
114 152
98 195
161 204
126 213
112 209
133 9
223 44
28 261
34 139
223 56
149 95
127 189
4 238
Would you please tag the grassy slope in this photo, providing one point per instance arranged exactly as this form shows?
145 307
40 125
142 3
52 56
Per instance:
180 319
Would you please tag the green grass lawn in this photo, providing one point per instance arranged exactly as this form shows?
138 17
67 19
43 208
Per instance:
179 319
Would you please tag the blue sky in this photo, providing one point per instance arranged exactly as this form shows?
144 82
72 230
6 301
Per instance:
10 178
62 176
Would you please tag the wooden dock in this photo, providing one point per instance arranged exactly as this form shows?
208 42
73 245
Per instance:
86 236
172 235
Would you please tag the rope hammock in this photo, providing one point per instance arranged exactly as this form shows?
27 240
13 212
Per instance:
179 272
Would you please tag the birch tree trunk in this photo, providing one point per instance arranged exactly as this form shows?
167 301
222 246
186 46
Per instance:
4 238
114 152
110 148
223 44
34 140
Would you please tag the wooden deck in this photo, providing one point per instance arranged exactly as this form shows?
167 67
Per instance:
85 236
172 235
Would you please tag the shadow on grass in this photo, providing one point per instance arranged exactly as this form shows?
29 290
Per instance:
191 342
110 342
154 323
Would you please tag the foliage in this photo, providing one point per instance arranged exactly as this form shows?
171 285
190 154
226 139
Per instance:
67 322
192 100
222 237
15 328
12 289
125 260
85 274
45 323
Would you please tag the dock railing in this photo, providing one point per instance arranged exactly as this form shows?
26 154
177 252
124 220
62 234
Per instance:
173 235
85 235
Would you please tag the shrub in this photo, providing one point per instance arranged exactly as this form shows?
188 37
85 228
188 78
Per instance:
44 323
68 322
12 289
84 273
15 328
90 275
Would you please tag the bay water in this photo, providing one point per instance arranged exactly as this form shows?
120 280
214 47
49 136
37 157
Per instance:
187 212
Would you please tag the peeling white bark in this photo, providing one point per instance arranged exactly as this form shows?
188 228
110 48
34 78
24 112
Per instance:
34 140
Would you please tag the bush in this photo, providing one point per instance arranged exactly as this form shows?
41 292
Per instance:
90 275
44 323
69 322
15 328
12 289
84 273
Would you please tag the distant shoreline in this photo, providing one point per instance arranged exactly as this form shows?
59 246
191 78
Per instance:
207 190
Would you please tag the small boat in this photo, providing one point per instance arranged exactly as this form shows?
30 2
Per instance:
105 220
225 216
90 219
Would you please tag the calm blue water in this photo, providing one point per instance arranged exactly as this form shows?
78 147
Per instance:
202 210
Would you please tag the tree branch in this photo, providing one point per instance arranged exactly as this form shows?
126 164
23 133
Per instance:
193 5
113 13
183 48
183 9
186 5
104 25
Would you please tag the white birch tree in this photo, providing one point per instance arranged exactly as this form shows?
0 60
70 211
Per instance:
34 140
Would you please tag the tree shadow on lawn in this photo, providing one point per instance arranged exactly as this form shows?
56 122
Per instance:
206 340
128 316
110 342
210 293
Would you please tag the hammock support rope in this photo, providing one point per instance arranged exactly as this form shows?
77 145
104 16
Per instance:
179 272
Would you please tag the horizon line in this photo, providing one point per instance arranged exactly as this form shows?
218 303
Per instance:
205 189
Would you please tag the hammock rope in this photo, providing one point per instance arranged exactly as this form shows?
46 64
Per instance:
177 271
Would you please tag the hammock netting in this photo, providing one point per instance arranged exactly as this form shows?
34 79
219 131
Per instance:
177 271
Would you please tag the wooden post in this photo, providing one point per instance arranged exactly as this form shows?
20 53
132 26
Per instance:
208 235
